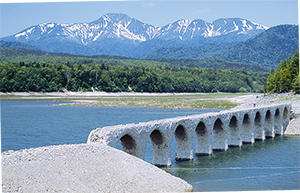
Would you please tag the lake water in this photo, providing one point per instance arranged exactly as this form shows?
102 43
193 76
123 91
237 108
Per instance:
272 164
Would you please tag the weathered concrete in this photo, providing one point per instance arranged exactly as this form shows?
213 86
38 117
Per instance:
213 131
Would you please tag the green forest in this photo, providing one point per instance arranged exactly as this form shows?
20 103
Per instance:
24 70
47 77
286 77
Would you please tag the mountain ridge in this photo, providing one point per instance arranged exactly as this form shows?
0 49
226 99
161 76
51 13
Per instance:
266 50
119 34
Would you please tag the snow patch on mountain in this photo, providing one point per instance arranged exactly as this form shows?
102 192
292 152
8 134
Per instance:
120 27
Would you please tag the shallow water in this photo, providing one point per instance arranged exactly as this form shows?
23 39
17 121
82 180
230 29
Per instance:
272 164
27 124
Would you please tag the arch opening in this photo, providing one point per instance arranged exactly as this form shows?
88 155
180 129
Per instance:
233 134
128 144
246 133
258 129
285 114
285 119
180 133
233 124
257 119
219 135
268 118
277 117
218 126
246 121
201 129
160 149
203 139
183 144
268 124
277 122
156 137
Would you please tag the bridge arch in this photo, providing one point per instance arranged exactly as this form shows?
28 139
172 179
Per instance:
285 118
183 142
258 126
158 141
285 114
129 145
203 139
269 124
219 135
233 132
277 122
246 132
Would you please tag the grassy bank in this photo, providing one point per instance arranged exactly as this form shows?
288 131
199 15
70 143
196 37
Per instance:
168 100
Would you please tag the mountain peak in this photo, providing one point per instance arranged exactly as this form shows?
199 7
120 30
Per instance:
113 17
98 35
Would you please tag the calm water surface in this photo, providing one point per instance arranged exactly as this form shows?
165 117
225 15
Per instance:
272 164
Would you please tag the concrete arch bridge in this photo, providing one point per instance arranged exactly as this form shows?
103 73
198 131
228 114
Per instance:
213 131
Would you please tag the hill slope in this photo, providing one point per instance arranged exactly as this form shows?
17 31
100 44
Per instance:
265 50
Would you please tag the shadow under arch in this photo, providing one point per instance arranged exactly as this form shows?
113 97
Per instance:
182 143
277 122
285 115
268 124
258 127
158 142
285 118
203 139
246 133
219 136
129 144
234 135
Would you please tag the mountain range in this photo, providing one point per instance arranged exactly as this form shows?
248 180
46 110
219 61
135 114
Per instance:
265 50
119 34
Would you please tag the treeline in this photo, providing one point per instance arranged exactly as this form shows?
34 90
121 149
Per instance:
48 77
286 77
15 55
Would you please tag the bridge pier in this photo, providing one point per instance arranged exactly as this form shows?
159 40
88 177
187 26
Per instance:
269 124
161 142
259 132
246 128
184 139
219 135
203 138
234 131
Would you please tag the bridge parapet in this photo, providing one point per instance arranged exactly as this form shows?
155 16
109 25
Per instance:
212 131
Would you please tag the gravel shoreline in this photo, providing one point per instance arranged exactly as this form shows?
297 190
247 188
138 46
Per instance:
100 168
83 168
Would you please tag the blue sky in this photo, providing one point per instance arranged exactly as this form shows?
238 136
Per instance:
16 17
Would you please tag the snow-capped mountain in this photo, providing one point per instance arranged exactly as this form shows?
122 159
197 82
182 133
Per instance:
119 34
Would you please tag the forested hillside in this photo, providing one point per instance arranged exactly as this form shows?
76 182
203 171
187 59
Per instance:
266 50
16 55
48 77
286 77
34 70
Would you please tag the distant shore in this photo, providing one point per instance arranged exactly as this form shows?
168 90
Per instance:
158 100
